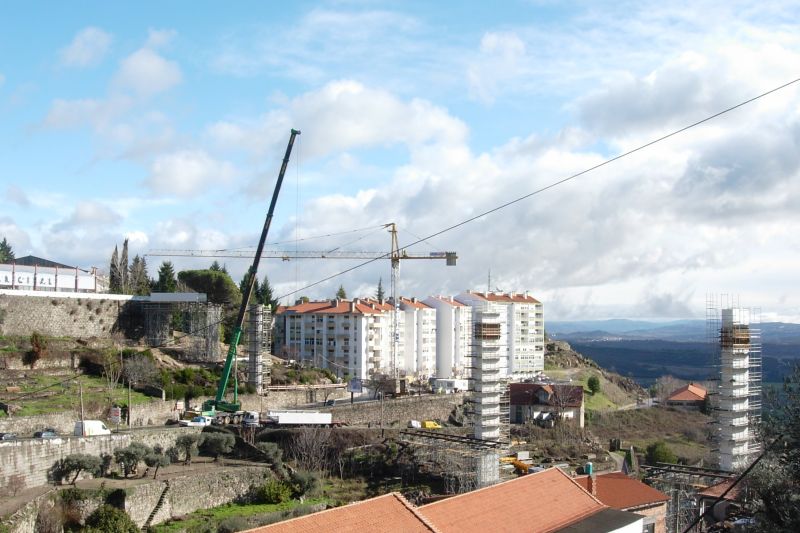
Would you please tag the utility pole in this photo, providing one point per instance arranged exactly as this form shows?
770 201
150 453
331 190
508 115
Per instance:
83 423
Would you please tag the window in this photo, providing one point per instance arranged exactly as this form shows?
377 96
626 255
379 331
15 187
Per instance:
649 528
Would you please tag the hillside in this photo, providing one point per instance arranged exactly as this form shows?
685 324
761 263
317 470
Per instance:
564 363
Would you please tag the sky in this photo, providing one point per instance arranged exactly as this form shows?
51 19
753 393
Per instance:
165 123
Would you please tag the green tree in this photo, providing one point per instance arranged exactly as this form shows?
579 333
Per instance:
255 296
6 252
594 384
138 278
341 294
217 444
166 278
114 273
76 463
217 285
187 444
266 296
107 518
156 460
130 457
215 266
379 294
303 482
659 452
123 268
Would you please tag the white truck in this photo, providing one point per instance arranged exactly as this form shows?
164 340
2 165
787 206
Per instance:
299 418
90 428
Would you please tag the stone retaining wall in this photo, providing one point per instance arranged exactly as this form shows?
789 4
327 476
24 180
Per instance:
28 461
397 411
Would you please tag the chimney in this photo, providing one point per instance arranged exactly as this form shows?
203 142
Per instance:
593 485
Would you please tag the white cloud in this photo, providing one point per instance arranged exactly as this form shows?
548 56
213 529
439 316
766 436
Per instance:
187 173
500 61
18 238
89 214
159 38
99 113
88 48
17 196
146 73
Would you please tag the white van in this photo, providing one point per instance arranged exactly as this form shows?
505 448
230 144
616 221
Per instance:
89 428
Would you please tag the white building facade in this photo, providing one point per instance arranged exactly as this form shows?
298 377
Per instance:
454 344
419 357
351 338
522 329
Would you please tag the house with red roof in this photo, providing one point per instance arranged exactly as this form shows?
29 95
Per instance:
691 396
544 403
619 491
545 502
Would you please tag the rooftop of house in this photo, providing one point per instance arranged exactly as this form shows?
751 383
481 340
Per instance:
337 306
715 491
413 302
450 300
384 514
546 501
619 491
556 395
511 297
689 393
32 260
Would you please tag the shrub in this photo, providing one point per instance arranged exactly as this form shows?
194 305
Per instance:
217 444
272 451
275 491
659 452
594 384
130 457
107 518
233 524
303 482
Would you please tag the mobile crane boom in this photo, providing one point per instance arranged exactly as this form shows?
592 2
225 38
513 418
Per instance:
219 403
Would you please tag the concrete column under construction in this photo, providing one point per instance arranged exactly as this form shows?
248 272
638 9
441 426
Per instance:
256 344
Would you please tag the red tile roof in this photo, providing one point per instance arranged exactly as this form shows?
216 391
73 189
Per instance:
528 394
389 513
542 502
715 491
450 300
411 303
515 297
333 307
619 491
689 393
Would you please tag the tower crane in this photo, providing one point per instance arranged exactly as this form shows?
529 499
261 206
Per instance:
396 255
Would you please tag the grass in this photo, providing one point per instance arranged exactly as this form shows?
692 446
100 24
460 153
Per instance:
215 515
67 397
608 398
686 432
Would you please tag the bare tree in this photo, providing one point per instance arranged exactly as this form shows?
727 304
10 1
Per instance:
666 385
309 448
139 369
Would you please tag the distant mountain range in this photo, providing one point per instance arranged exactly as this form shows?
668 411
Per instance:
646 350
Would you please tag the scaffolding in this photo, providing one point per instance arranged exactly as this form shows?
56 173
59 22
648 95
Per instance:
462 463
199 321
259 360
681 484
734 334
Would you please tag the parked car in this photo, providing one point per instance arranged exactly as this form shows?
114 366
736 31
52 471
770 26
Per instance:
198 421
47 433
8 436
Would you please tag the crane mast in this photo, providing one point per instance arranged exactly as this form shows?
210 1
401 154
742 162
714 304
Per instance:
219 400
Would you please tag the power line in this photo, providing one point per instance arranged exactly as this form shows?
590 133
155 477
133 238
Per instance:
556 183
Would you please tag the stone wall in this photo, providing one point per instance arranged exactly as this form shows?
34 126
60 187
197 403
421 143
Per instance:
58 316
32 459
156 412
397 411
186 494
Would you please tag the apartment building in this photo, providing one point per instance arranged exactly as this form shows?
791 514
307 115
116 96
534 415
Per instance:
419 358
521 328
348 337
454 344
